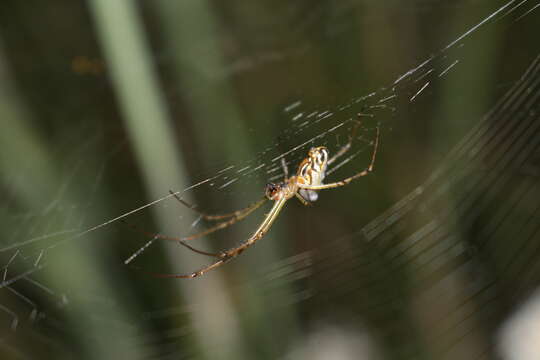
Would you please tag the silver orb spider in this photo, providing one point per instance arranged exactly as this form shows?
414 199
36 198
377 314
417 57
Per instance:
304 186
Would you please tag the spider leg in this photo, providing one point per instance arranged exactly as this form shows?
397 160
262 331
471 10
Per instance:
343 182
193 274
208 216
163 237
234 252
227 223
187 276
347 146
235 217
302 200
218 226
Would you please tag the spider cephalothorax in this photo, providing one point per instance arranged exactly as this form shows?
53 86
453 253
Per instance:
273 190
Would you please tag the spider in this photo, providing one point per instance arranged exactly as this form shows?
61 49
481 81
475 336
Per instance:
304 186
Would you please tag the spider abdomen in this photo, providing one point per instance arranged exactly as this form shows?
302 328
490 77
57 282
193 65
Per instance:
313 170
309 195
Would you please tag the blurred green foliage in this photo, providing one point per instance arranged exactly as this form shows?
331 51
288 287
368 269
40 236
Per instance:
106 105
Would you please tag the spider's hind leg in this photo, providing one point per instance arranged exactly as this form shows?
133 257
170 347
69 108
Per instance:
345 181
302 200
348 145
194 274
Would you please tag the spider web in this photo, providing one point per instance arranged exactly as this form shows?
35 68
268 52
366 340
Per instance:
436 249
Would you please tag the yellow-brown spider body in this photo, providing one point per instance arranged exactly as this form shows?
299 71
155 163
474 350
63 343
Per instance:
304 186
312 171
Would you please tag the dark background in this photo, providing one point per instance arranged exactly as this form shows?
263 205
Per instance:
106 105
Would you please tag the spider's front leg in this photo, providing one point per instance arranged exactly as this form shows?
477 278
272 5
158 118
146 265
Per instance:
227 255
231 218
